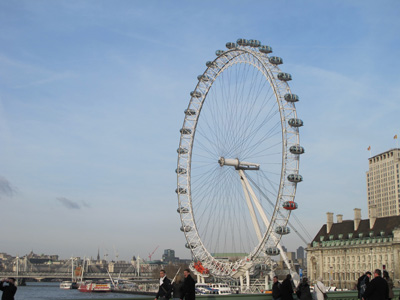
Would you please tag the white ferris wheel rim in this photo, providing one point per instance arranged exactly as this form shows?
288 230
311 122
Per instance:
289 163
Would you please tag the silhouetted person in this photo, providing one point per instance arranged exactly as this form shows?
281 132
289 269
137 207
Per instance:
189 286
304 290
362 284
377 289
177 287
276 289
8 290
390 284
287 288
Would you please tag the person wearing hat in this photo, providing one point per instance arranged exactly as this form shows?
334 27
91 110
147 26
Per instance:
8 290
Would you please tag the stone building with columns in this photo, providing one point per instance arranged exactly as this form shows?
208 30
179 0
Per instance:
341 252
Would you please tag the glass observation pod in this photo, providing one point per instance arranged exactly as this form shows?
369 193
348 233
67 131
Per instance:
272 251
190 246
275 60
297 149
203 78
180 171
290 205
195 94
295 122
265 49
182 150
190 112
295 178
185 131
182 210
211 64
291 98
282 230
219 52
181 191
230 45
284 76
242 42
254 43
186 228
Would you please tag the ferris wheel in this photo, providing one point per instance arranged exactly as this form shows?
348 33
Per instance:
238 160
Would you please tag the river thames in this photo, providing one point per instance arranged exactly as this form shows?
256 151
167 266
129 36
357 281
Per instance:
52 291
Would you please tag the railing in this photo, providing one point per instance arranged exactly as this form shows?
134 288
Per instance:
345 295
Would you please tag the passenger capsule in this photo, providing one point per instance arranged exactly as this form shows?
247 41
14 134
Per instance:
180 191
272 251
297 149
295 122
291 97
190 112
185 131
290 205
275 60
265 49
211 64
182 210
230 45
284 76
190 246
295 178
195 94
186 228
242 42
254 43
219 52
182 150
203 78
180 171
282 230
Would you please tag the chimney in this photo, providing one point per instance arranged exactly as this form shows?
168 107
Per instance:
372 216
339 218
357 218
329 221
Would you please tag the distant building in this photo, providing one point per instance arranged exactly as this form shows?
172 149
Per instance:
300 253
341 252
383 183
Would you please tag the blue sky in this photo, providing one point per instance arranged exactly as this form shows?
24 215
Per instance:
92 95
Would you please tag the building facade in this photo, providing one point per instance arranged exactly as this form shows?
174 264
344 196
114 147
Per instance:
341 252
383 183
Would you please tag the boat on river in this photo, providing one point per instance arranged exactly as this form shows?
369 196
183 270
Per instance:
68 285
94 287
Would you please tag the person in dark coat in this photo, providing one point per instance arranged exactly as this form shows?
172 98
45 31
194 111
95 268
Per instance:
390 284
177 287
8 290
189 286
276 289
287 288
362 284
377 289
165 288
304 290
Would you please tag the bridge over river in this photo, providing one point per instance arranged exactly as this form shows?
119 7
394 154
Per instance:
39 276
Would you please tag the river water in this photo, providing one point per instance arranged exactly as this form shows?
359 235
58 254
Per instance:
52 291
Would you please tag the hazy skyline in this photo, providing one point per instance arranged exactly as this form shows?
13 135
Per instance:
92 95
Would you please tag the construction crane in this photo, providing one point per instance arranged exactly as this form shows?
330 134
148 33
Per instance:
151 254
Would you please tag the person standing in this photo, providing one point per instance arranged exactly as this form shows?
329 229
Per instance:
304 290
390 284
378 288
8 290
276 289
287 288
362 284
189 286
165 288
319 289
177 287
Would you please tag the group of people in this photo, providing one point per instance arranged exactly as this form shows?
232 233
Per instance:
7 286
178 289
378 288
